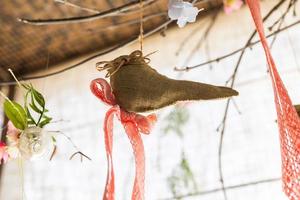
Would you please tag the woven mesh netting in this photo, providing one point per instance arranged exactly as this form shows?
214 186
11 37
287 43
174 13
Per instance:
288 120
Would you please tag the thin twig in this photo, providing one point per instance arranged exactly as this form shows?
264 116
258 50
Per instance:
212 191
162 26
127 23
282 17
218 59
53 152
15 78
128 8
233 78
130 11
110 49
67 3
203 37
189 37
78 152
82 155
101 15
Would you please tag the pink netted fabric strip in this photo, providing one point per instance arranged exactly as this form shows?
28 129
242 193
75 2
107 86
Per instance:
134 124
288 120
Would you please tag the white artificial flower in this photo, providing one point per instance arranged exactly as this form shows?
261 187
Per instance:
33 142
182 11
13 152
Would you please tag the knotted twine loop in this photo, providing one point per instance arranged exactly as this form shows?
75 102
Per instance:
288 120
113 66
134 124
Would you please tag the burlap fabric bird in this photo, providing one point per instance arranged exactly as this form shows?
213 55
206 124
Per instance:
139 88
136 87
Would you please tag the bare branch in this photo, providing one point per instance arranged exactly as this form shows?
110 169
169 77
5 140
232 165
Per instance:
101 15
189 37
218 59
233 78
204 36
53 152
110 49
129 22
73 144
82 155
227 188
67 3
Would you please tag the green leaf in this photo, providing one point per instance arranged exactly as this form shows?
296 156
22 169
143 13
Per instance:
35 108
34 104
30 122
38 97
16 114
30 119
46 121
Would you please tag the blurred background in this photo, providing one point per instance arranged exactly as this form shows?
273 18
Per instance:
197 150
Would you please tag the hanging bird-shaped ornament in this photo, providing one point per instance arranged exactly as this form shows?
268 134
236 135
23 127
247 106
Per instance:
139 88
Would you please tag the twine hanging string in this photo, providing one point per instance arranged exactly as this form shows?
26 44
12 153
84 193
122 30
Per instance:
288 120
141 36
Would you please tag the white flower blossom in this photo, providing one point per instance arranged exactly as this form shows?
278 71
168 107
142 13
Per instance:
182 11
33 143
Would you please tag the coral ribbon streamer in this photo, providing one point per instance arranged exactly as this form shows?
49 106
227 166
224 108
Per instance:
288 120
134 124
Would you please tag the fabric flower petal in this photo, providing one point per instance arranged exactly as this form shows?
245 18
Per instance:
181 22
3 153
186 4
12 133
13 152
190 14
174 13
174 9
232 5
182 11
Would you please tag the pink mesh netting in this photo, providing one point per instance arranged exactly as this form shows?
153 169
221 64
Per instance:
288 120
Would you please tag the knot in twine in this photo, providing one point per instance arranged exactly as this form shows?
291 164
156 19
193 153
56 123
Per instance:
113 66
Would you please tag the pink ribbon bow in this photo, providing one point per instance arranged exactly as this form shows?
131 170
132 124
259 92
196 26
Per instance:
134 124
288 120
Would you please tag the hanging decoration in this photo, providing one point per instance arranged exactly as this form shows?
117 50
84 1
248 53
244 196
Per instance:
136 87
25 135
288 120
134 124
232 5
139 88
182 11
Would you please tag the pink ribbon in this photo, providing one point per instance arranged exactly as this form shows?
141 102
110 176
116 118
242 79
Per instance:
288 120
134 124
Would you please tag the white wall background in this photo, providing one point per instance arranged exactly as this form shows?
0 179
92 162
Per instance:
251 145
